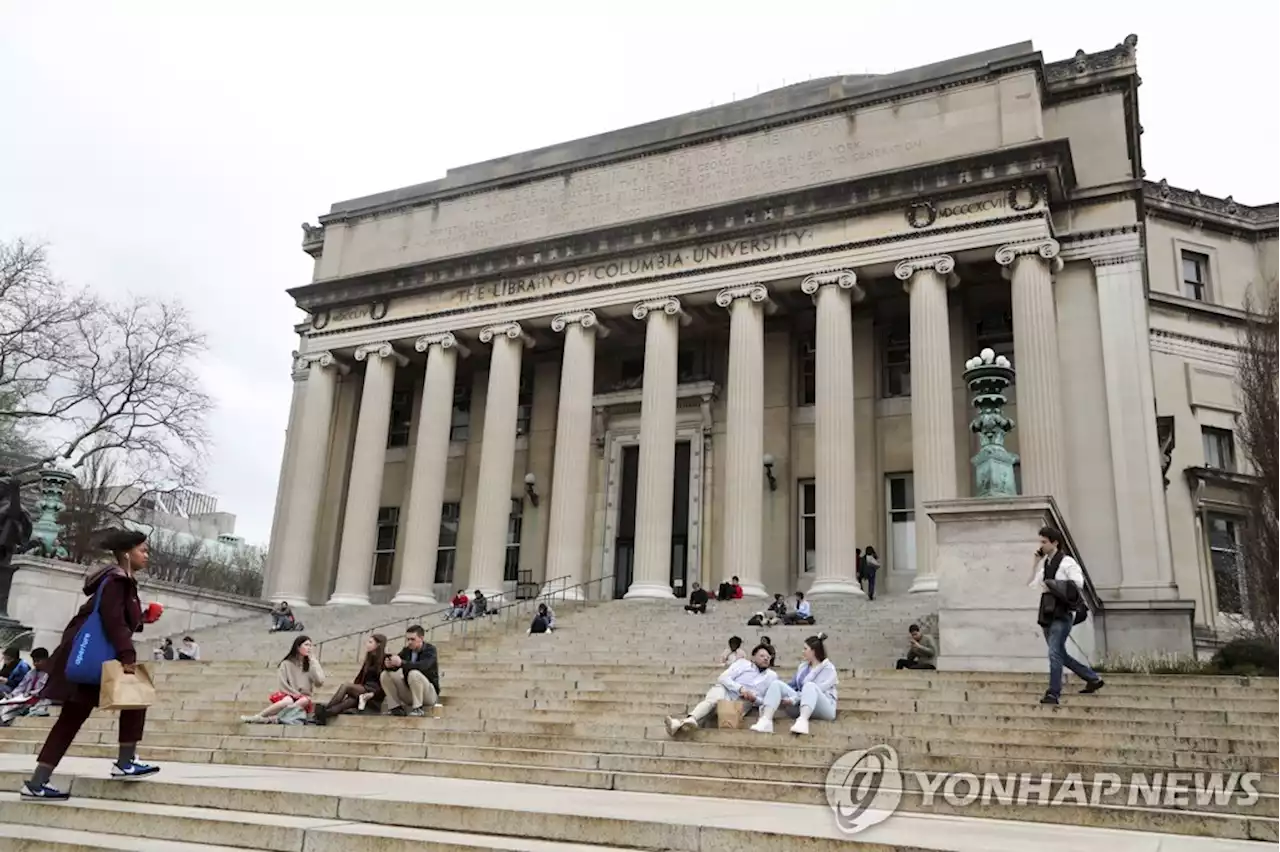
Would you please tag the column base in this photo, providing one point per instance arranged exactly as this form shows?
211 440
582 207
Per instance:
348 600
924 584
414 598
649 591
835 587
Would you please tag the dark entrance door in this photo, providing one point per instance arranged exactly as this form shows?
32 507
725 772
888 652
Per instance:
624 545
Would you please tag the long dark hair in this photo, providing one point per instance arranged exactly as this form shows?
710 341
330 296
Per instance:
295 656
817 644
373 659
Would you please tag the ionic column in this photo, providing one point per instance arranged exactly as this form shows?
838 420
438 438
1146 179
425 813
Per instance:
364 488
292 579
743 552
430 462
288 463
497 457
837 569
655 483
1035 349
933 442
570 477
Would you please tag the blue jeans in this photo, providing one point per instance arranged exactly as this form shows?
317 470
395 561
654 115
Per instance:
1056 636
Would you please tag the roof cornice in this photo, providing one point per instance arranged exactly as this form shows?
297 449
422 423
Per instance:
1196 208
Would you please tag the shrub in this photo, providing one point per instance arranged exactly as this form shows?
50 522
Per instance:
1254 656
1155 664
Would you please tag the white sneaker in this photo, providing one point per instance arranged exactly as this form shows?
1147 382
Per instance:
672 725
362 702
764 725
689 724
801 726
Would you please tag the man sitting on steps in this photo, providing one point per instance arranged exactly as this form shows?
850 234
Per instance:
412 677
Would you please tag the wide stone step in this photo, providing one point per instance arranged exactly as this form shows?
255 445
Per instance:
41 838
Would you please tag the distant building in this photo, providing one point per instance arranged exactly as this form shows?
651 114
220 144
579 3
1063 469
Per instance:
185 516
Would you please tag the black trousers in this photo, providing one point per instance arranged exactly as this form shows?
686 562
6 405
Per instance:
915 664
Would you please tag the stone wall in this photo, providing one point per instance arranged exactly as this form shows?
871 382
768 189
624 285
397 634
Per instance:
46 593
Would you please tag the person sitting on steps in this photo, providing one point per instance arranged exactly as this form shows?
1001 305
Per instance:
803 613
457 606
543 620
810 694
21 701
697 601
14 670
364 689
744 680
922 652
779 606
730 591
413 676
479 605
282 619
733 653
299 676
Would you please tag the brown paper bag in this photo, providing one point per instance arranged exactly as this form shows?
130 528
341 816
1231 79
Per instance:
729 715
120 691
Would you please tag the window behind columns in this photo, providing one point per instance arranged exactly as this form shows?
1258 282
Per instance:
1223 532
808 533
515 526
460 424
995 331
401 417
447 550
384 548
807 370
896 379
524 402
902 522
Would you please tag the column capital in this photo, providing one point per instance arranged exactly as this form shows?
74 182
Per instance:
1047 249
943 264
323 359
444 339
380 350
510 330
668 305
845 279
757 293
587 319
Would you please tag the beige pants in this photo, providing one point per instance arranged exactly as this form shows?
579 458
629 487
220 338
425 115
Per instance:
416 692
714 696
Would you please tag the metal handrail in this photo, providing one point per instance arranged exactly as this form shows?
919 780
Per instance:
555 589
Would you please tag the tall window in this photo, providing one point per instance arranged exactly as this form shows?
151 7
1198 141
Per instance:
897 361
515 526
1224 553
460 425
447 549
401 418
384 549
995 332
807 363
902 522
524 403
808 525
1219 448
1195 275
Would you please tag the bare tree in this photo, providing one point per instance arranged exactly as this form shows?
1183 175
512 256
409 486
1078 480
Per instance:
1258 428
93 377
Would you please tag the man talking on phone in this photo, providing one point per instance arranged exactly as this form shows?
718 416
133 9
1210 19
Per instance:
1061 582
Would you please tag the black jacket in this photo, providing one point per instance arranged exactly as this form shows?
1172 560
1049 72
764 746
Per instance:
427 664
698 597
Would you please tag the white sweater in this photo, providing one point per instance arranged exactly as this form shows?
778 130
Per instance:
823 676
743 674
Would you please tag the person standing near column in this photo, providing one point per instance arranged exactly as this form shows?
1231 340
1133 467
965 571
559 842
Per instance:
112 590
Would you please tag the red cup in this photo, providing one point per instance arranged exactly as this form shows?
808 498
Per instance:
151 612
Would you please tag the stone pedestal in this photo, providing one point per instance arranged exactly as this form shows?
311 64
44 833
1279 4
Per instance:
986 607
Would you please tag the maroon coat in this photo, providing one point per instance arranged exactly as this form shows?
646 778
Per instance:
121 612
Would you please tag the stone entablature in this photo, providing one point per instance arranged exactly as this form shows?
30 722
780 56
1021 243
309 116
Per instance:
1190 205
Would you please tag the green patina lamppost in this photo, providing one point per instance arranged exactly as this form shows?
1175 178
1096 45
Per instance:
989 376
45 532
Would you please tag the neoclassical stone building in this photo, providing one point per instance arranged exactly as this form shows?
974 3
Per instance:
731 342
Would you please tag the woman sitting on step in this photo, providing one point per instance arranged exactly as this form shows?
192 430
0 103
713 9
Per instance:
744 680
299 676
810 694
364 688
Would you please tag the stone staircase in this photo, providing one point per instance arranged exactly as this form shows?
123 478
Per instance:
556 742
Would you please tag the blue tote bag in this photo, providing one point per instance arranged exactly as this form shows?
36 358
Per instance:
90 648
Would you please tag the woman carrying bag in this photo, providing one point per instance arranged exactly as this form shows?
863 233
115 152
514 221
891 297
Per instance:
102 630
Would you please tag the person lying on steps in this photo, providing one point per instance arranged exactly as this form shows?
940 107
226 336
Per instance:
810 694
744 680
364 689
412 677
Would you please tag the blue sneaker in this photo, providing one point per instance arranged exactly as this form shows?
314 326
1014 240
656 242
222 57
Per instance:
45 793
133 769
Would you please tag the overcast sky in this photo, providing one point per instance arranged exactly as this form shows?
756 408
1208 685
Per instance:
175 153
